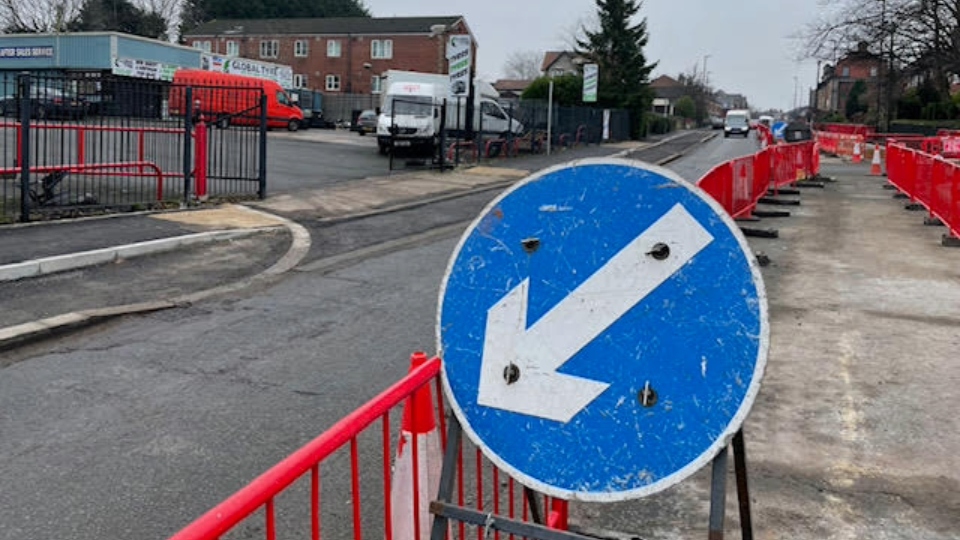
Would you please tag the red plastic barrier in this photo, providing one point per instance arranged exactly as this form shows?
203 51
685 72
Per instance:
462 145
930 180
846 129
739 184
840 144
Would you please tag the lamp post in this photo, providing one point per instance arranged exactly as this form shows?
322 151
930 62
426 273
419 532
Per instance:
704 77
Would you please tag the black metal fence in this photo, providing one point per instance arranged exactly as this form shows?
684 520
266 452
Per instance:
569 125
513 129
343 109
87 143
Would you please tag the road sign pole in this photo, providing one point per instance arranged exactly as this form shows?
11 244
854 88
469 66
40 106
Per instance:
445 510
743 491
718 495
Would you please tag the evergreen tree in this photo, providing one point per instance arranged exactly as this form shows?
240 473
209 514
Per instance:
197 12
119 16
617 48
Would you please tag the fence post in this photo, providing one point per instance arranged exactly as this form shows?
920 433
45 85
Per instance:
510 135
23 84
443 136
187 143
201 158
262 173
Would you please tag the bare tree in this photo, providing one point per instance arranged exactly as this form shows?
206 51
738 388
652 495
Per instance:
916 37
38 15
523 65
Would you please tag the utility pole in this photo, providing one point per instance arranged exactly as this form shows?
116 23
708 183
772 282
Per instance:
795 106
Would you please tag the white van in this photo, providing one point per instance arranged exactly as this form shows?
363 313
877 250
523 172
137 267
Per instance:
737 122
411 107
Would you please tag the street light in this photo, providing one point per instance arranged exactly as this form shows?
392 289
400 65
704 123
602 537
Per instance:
704 77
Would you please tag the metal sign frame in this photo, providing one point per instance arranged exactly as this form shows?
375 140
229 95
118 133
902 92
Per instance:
445 510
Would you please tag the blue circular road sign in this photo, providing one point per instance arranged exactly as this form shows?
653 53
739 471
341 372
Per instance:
603 326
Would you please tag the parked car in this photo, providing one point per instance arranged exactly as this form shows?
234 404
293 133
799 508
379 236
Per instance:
47 102
366 122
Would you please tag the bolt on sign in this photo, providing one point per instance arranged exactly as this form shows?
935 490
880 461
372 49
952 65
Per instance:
459 58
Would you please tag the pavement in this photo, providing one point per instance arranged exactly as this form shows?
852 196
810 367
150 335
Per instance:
61 275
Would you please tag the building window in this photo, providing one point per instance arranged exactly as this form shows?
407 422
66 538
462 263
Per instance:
376 84
202 45
269 48
873 71
381 48
556 72
333 48
333 83
300 48
299 80
846 71
233 48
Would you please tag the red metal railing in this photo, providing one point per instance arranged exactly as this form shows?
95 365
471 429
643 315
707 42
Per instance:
114 169
929 180
201 143
502 495
81 131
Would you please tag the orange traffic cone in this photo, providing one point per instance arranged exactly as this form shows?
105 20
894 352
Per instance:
875 168
416 478
857 157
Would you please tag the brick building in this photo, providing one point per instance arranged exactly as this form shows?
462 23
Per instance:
345 55
837 81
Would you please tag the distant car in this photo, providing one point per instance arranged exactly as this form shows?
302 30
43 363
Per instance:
366 122
47 102
716 122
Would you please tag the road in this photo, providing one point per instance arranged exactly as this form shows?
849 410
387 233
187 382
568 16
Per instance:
133 429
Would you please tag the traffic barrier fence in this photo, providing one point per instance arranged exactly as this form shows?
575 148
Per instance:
930 180
845 129
739 184
311 490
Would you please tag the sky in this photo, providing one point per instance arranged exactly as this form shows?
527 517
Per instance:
748 44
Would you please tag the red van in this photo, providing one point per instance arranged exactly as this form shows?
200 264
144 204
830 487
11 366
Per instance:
225 99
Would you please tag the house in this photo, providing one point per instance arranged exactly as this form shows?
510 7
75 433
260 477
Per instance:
557 63
838 80
337 54
511 89
731 101
666 91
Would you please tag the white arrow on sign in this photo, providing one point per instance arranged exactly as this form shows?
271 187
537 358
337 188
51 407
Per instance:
537 352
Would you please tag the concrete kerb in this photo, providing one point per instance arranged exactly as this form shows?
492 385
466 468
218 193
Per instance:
26 332
83 259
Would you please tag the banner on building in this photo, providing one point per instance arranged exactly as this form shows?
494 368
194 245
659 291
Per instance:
282 75
591 76
459 57
143 69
